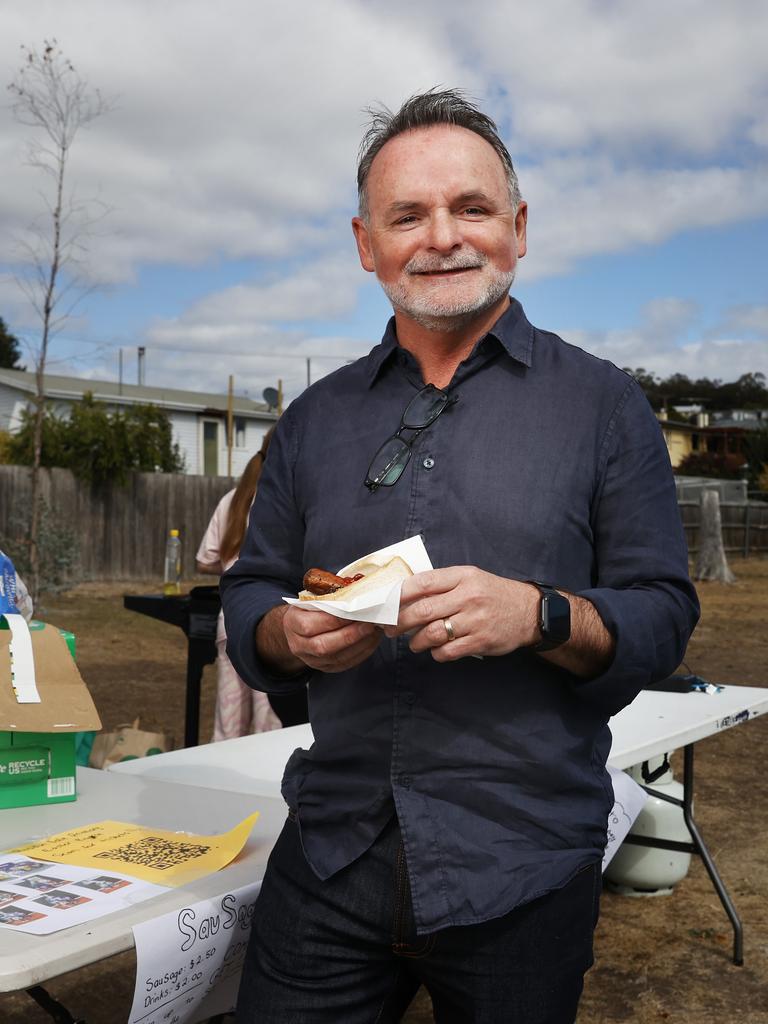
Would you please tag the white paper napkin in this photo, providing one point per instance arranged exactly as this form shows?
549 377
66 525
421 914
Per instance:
382 604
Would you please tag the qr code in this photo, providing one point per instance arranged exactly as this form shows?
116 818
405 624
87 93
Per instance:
156 853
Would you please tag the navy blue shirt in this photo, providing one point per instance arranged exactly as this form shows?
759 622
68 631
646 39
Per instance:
550 466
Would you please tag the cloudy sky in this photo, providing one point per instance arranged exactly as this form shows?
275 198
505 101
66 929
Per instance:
225 174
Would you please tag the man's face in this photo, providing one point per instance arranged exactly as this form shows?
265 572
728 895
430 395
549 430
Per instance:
441 235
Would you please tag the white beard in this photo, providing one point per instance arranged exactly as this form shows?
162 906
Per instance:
445 312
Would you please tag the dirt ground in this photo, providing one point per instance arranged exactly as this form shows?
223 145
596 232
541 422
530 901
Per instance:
663 959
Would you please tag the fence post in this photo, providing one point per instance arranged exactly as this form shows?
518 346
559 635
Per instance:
711 563
746 530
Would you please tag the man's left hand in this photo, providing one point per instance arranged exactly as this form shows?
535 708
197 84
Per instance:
487 614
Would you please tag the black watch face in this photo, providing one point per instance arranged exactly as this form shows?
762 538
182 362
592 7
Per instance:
556 617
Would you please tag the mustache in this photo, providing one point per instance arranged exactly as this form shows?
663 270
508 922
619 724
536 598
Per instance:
465 259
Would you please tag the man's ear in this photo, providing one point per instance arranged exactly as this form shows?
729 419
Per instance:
362 238
521 226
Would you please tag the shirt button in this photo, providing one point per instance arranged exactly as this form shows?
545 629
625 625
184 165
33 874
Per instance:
428 462
410 698
405 781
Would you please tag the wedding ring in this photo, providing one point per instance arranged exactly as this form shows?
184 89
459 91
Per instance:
449 629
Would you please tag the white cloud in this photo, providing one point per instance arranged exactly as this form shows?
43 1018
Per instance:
659 343
622 76
747 319
235 135
322 290
246 312
582 207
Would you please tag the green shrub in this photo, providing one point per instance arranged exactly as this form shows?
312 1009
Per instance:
98 445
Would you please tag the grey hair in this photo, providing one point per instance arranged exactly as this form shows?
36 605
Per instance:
436 106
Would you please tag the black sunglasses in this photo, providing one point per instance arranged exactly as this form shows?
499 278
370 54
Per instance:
390 460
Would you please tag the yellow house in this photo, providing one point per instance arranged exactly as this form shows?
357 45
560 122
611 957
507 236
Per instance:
681 438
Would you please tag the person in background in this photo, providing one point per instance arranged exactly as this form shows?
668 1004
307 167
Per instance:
22 599
240 710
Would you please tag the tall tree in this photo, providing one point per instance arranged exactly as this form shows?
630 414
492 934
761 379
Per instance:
9 349
53 99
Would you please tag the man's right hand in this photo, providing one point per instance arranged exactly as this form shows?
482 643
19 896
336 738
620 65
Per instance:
291 637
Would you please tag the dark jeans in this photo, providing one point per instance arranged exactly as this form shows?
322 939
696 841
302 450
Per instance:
345 951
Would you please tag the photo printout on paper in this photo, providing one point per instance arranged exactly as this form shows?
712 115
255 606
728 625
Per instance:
42 898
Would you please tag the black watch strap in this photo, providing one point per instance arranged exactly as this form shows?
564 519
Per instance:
554 618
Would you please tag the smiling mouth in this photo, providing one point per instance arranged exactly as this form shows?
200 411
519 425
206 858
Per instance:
447 272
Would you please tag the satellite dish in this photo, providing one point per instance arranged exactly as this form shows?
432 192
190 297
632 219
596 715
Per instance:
271 397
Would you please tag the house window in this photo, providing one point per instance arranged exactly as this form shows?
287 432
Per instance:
695 442
210 447
239 432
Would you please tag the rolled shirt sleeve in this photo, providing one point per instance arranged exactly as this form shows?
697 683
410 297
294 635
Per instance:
270 565
643 592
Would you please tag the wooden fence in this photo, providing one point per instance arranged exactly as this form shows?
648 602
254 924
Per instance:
118 533
744 526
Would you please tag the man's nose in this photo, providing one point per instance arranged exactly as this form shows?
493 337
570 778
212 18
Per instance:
444 233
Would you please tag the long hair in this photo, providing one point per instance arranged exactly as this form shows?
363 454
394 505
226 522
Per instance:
237 520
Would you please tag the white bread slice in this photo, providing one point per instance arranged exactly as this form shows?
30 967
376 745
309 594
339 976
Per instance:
374 576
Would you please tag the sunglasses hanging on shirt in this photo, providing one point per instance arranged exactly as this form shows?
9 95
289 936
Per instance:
390 460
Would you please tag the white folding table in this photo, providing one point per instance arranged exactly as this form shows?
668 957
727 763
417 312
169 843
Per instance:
657 723
208 789
28 960
654 724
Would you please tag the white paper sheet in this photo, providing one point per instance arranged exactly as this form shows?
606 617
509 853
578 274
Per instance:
629 799
188 962
379 606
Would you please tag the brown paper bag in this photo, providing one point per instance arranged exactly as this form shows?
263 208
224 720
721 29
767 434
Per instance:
126 743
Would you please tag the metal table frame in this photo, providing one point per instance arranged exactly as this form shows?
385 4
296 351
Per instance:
697 846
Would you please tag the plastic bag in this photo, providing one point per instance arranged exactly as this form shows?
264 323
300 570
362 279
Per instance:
126 743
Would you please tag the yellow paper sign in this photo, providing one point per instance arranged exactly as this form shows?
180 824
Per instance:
165 858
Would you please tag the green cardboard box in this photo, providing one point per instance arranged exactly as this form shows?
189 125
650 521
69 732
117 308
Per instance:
37 741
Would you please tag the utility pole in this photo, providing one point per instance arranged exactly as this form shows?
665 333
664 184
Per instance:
229 425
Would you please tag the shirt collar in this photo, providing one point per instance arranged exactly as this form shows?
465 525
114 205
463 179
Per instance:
512 330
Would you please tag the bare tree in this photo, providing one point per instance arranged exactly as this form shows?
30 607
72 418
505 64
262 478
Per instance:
51 97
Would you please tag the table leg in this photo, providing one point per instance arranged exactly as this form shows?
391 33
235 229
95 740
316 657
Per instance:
697 846
709 864
195 664
60 1014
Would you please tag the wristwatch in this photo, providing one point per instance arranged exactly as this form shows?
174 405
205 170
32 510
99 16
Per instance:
554 618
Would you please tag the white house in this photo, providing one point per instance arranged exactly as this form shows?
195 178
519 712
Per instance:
198 419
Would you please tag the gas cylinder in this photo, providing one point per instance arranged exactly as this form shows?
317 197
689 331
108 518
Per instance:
646 870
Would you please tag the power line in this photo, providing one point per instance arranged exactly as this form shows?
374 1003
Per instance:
105 346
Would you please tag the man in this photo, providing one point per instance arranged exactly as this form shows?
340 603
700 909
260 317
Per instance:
447 826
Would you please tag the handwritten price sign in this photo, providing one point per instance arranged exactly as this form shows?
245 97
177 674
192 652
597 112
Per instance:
188 963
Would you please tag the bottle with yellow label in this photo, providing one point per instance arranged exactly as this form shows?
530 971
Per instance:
172 571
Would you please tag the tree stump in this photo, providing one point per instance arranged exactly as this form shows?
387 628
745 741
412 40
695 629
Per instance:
711 563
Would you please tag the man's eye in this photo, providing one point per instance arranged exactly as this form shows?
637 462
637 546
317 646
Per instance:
410 218
474 211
